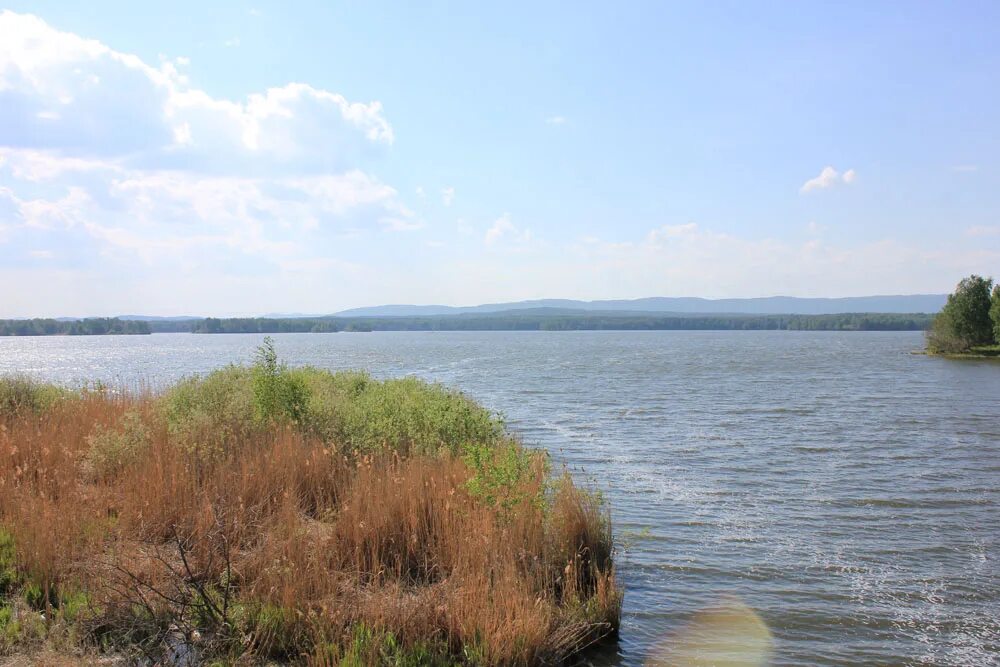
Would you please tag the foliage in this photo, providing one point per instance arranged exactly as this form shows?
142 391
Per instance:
964 322
8 564
349 408
405 414
111 450
391 522
501 475
277 394
260 325
995 312
545 320
95 326
22 395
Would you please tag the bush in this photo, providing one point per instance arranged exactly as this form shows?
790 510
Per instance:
406 415
416 532
22 395
348 408
277 394
8 564
114 449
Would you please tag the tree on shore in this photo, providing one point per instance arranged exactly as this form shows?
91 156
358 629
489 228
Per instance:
995 313
965 321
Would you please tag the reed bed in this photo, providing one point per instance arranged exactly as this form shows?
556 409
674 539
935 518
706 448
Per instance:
291 515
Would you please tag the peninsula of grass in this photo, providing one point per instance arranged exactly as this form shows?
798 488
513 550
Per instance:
977 352
265 514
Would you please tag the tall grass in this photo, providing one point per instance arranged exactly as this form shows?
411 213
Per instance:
293 514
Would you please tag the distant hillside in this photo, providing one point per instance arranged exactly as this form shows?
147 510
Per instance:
774 305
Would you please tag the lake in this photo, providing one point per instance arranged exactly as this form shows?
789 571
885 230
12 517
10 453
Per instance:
845 489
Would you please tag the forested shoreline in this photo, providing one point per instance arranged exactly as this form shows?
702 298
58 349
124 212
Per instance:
522 321
92 326
565 322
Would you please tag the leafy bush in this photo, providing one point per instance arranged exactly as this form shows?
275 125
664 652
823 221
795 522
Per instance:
205 414
350 409
277 394
408 415
22 395
502 476
111 450
8 564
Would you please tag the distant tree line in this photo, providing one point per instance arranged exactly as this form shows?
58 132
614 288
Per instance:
969 320
262 325
546 321
557 322
95 326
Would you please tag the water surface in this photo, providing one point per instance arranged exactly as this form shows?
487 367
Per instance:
845 489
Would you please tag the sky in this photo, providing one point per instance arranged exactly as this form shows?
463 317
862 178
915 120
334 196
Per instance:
240 158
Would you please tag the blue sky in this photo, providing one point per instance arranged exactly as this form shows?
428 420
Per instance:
241 158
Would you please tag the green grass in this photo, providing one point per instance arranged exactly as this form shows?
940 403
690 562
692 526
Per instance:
22 395
979 352
350 408
224 435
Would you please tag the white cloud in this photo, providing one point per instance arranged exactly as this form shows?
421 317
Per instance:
447 196
41 254
420 191
63 92
965 168
232 42
983 230
828 178
504 229
556 120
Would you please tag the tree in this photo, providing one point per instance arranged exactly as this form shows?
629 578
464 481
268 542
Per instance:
964 322
995 313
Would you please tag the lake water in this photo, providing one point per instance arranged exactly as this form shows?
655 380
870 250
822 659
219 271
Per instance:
846 490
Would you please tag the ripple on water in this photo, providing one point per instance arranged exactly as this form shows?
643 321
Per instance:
844 489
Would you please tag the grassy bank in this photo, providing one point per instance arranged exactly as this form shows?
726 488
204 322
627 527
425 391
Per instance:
979 352
265 513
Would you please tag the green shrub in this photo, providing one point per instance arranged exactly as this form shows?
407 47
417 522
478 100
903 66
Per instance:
368 646
8 564
277 394
206 413
408 414
114 449
501 475
20 395
350 409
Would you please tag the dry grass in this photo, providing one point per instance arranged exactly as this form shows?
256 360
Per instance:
279 545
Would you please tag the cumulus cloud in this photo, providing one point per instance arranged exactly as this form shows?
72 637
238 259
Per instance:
60 91
828 178
116 166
